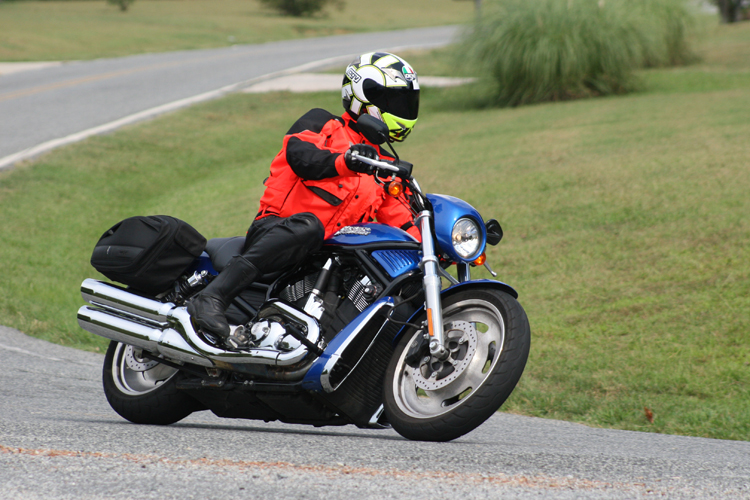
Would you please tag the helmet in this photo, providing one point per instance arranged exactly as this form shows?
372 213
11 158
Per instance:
384 86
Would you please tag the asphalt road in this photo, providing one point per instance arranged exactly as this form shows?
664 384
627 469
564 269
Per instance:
54 105
59 439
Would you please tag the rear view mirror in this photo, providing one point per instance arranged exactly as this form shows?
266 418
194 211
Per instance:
494 232
373 129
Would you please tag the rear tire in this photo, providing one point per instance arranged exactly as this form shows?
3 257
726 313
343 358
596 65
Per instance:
488 335
144 391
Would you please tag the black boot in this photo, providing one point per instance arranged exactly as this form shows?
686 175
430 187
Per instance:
208 307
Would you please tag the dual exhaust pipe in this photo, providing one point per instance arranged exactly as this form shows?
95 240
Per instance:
165 329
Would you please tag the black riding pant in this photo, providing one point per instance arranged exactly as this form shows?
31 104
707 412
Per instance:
279 243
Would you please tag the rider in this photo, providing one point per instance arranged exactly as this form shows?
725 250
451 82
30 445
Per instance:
317 187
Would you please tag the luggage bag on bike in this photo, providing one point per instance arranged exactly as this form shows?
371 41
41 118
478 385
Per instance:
147 253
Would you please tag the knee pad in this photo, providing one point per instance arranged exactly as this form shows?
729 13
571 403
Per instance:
311 225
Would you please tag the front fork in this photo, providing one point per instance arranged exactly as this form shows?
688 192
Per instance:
432 286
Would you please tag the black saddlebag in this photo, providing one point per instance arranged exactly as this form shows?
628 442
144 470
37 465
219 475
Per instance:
147 253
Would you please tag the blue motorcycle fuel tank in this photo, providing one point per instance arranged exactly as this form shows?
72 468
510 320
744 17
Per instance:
364 234
396 261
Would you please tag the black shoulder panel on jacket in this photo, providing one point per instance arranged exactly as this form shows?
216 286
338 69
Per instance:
309 162
314 120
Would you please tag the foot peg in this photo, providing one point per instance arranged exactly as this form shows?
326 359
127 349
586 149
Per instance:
238 339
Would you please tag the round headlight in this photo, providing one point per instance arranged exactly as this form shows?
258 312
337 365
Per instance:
466 238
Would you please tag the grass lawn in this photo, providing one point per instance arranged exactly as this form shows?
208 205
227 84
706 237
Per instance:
626 222
74 30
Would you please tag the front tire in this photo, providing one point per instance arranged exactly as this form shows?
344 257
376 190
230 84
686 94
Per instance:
144 391
487 334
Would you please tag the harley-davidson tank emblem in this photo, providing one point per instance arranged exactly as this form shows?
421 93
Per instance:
358 230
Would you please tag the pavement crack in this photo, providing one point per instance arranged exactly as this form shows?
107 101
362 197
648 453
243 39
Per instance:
283 469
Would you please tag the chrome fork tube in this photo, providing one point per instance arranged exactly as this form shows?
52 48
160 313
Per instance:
432 285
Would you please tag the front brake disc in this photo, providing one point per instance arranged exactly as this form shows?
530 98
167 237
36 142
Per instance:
430 377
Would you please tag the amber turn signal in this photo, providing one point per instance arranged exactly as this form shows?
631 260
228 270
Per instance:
481 259
395 189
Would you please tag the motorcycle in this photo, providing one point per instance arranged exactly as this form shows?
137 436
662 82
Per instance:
362 332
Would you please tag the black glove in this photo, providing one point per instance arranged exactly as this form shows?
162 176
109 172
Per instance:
362 150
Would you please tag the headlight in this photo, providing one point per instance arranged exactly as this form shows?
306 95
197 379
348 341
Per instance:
466 238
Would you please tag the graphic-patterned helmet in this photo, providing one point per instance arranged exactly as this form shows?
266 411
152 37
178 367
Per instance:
384 86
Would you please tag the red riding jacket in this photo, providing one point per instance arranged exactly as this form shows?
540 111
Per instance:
309 175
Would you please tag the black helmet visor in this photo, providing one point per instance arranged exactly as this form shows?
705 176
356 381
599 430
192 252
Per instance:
399 101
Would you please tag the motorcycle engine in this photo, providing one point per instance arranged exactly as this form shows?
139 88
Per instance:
269 333
348 292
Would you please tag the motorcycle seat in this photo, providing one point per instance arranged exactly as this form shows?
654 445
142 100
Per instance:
222 250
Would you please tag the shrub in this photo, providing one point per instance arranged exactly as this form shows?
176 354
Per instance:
300 8
664 26
561 49
123 4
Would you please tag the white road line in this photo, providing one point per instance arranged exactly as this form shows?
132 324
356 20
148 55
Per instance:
29 353
45 147
7 68
26 154
49 358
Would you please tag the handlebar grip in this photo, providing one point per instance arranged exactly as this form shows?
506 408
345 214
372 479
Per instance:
375 163
403 169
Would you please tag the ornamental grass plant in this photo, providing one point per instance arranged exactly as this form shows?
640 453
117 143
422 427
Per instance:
564 49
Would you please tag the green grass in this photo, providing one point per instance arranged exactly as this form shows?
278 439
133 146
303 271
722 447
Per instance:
626 223
73 30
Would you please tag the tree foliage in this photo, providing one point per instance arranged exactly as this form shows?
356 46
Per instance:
730 11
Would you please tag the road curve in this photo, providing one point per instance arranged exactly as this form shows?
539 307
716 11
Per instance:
51 106
59 439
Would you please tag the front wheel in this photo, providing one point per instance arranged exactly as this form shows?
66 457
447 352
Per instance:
487 337
143 391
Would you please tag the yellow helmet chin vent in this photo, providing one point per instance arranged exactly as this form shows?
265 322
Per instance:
398 127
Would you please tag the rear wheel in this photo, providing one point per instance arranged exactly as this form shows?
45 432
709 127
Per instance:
142 390
487 337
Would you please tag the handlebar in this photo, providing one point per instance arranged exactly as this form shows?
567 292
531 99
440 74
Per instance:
402 171
377 163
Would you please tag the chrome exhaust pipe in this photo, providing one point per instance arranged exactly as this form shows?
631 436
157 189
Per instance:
166 329
112 298
166 342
